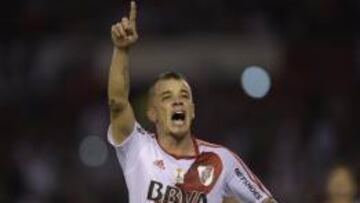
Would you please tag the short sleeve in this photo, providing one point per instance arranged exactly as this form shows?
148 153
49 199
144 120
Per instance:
242 183
127 151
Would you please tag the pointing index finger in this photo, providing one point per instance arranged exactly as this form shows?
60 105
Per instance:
132 16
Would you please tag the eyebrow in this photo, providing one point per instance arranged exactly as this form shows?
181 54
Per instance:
165 92
169 92
184 91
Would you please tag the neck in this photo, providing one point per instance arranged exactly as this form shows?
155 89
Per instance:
177 146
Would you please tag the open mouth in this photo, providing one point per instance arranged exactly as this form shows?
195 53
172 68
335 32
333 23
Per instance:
178 117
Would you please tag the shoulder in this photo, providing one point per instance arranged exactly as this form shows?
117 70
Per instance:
208 146
225 153
139 130
138 135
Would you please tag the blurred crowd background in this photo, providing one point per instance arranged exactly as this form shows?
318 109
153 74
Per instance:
54 59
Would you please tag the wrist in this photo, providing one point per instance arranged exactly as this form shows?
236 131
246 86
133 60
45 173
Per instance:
121 49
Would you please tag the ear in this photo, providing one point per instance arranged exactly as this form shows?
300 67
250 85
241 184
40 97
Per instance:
151 114
192 113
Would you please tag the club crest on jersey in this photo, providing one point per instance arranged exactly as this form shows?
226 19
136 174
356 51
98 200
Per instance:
179 176
206 174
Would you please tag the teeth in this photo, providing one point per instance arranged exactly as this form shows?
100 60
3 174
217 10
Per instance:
178 122
178 117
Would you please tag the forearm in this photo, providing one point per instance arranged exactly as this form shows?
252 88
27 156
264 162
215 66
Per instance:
118 87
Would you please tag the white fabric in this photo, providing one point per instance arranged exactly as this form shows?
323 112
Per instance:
145 164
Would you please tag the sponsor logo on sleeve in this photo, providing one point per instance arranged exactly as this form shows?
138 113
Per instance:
248 184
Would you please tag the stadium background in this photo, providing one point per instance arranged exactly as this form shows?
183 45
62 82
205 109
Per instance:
54 58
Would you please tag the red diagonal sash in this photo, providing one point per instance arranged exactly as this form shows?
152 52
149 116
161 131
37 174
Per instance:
203 173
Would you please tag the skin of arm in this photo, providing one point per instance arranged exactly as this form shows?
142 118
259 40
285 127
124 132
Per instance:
123 35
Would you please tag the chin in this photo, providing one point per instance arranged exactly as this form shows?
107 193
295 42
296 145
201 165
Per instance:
179 133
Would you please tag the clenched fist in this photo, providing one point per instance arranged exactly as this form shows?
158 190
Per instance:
124 33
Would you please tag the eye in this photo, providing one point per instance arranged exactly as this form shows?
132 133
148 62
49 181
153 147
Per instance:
164 98
186 96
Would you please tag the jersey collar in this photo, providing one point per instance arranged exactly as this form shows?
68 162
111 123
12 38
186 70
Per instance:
196 149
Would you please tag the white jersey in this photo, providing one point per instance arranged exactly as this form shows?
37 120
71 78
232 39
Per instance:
153 175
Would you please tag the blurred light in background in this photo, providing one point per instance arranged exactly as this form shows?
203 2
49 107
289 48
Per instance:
93 151
255 81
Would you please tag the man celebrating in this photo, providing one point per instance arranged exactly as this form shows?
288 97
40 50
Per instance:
171 165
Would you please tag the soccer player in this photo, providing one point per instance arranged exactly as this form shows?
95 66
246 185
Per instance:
170 165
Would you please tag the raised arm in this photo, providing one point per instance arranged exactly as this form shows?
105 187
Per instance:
123 35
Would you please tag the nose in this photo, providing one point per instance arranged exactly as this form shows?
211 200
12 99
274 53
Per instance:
178 102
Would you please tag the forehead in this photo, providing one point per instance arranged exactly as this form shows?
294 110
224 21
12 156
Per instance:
172 85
